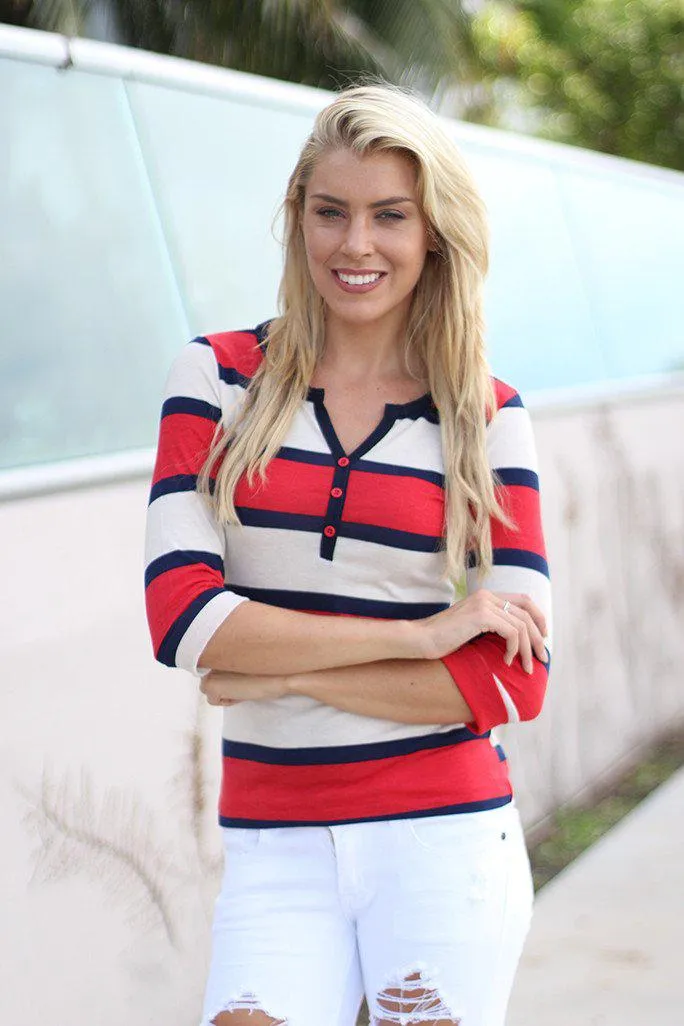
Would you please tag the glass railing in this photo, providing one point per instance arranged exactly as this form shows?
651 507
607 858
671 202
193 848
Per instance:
137 204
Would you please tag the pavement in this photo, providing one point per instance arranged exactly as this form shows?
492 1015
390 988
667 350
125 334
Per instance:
606 946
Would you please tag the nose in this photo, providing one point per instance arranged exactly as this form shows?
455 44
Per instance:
357 240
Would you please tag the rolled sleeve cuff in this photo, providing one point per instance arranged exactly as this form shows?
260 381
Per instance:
203 628
475 680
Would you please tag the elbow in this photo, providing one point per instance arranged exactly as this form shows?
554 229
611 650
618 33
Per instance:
532 704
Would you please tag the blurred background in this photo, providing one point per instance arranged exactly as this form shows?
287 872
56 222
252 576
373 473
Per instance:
144 150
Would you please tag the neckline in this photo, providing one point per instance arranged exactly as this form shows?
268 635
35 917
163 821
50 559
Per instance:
392 412
413 406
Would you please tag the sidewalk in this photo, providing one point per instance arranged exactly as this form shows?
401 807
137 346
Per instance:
607 942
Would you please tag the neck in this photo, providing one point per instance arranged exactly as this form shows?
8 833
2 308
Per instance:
365 352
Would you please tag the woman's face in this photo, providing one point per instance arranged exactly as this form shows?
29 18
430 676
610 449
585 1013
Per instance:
365 236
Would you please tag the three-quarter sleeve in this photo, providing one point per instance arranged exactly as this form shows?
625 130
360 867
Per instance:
497 693
186 594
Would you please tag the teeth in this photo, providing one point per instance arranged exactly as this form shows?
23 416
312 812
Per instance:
358 279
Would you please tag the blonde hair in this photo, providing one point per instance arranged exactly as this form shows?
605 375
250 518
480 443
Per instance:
445 329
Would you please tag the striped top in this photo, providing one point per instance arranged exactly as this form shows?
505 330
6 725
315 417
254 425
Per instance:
355 534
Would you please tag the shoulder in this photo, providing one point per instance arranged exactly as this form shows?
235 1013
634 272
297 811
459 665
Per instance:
510 439
209 361
506 397
237 353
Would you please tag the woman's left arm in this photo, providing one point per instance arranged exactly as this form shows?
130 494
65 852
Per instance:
496 691
401 690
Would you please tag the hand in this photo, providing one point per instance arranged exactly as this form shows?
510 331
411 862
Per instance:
230 688
514 617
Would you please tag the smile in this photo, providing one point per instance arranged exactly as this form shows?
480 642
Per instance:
361 282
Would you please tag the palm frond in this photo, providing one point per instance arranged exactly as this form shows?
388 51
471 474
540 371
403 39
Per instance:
110 838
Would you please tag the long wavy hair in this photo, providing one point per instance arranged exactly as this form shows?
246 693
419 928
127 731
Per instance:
445 330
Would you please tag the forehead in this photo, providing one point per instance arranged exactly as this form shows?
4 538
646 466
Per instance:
373 176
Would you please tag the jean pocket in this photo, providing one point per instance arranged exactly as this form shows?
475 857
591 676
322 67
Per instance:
454 832
240 840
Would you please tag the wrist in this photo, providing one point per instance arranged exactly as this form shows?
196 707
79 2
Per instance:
295 683
411 640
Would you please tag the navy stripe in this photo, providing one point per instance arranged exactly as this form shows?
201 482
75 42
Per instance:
195 407
232 376
200 340
442 810
517 476
360 532
521 557
282 521
391 537
318 459
414 410
390 470
500 752
172 638
261 332
175 483
329 755
322 602
515 557
182 557
515 400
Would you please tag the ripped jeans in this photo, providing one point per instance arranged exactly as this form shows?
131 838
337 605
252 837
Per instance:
426 916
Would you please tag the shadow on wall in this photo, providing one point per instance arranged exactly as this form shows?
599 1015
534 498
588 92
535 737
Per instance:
617 564
114 838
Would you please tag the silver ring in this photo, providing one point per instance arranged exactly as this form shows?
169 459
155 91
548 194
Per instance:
506 606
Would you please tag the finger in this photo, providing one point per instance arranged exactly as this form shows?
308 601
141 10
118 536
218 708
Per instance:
525 603
503 625
538 645
534 634
524 645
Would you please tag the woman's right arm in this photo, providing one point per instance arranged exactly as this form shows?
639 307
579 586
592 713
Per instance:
195 620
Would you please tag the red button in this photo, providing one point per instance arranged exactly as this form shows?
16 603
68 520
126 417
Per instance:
343 461
336 492
329 531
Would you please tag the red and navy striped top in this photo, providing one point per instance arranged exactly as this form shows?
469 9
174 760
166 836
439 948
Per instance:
356 534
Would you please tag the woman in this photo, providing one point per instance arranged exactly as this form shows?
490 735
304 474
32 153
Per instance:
339 460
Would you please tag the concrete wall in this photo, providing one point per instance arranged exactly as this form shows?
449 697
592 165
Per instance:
109 762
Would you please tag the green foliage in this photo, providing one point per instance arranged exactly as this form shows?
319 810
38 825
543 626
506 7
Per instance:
322 43
573 830
605 74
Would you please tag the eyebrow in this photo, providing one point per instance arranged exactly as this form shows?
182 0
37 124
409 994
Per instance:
391 202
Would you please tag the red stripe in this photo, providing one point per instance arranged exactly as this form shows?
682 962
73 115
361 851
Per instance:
383 500
289 487
169 595
237 349
402 503
184 442
502 392
522 506
429 779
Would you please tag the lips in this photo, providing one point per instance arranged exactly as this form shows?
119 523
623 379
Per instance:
358 280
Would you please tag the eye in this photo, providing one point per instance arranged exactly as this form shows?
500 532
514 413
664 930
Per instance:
329 213
391 215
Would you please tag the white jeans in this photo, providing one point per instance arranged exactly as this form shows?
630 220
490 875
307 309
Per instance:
425 916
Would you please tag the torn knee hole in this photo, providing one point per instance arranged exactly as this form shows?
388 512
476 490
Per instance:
245 1010
413 999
